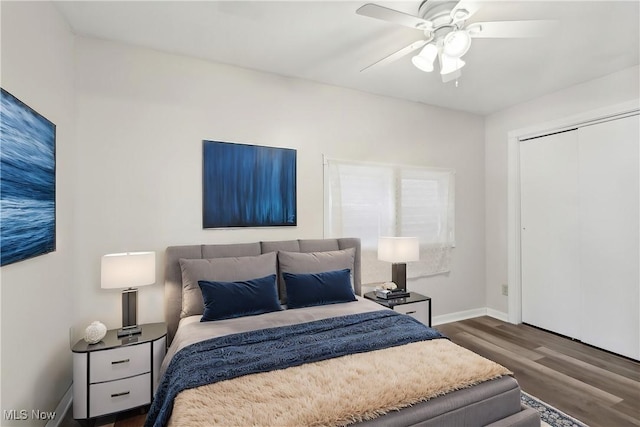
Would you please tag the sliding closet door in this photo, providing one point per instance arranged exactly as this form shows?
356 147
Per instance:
550 266
609 187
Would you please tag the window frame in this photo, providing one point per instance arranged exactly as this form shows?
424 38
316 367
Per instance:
399 173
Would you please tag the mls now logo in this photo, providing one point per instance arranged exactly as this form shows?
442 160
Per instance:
23 414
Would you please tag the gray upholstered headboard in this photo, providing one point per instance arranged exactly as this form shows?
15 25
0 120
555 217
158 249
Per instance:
173 273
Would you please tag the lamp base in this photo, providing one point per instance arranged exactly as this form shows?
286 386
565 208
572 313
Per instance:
399 275
129 307
128 331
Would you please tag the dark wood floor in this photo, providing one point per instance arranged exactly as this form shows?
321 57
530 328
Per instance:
594 386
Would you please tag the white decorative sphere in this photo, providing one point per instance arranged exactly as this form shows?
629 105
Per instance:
95 332
389 286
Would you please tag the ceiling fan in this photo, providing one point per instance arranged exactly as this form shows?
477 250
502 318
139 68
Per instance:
447 34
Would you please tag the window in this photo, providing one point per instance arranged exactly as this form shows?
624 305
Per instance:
369 200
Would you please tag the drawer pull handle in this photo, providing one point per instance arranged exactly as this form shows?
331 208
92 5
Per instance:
124 393
411 312
117 362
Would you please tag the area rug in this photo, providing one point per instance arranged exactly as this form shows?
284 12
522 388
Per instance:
551 417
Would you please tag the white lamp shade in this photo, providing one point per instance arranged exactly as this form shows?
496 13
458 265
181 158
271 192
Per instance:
398 249
424 60
127 270
456 43
449 64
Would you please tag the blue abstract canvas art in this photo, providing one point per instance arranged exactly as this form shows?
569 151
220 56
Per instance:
27 182
248 185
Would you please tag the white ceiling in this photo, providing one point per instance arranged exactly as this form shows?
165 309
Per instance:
325 41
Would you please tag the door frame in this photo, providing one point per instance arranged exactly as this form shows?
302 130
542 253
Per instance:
513 187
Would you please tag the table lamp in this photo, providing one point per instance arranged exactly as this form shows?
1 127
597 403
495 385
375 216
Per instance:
128 270
399 251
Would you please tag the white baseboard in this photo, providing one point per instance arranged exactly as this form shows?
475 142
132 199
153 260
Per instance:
500 315
470 314
61 409
460 315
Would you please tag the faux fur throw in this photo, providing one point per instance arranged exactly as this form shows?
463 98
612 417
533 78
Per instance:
264 350
336 391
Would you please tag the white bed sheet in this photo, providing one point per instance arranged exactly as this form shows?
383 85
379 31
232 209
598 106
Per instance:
191 330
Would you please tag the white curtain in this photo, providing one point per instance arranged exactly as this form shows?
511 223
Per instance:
369 200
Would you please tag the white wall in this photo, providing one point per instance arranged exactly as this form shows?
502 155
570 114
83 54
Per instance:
141 119
37 308
593 95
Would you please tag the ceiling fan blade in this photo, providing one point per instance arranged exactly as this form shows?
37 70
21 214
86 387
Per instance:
397 55
511 29
464 10
397 17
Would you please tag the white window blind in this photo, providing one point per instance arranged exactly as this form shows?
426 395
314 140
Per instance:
368 200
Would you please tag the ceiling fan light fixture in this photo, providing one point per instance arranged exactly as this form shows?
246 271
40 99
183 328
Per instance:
424 60
456 43
449 64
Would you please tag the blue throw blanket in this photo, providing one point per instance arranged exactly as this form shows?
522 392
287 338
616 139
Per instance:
266 350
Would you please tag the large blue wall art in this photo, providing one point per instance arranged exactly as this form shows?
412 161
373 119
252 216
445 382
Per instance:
248 185
27 182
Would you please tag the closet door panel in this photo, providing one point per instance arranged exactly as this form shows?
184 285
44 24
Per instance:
609 194
550 266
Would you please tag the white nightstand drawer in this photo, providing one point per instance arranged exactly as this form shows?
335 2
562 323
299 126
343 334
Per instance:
108 365
120 395
417 310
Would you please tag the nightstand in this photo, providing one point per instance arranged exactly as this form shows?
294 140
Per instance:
117 374
416 305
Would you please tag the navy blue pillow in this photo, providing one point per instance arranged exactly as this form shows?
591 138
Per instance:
226 300
306 290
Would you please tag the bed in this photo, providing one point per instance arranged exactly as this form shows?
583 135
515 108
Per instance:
236 357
